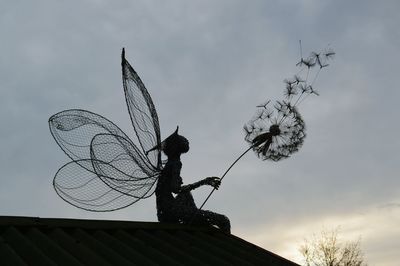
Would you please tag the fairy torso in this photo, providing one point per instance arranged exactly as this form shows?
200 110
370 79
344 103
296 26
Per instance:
169 182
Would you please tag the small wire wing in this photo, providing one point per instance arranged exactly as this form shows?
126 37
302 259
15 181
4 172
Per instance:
142 112
78 184
108 171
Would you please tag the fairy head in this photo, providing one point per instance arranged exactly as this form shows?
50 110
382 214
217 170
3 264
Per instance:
174 145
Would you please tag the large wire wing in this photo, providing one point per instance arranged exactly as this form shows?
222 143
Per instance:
142 112
74 129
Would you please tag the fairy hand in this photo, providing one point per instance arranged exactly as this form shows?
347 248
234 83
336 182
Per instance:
213 181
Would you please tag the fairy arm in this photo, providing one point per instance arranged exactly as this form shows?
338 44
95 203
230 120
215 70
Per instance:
176 184
176 180
212 181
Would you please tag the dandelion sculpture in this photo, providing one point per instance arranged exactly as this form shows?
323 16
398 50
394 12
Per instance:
109 172
277 130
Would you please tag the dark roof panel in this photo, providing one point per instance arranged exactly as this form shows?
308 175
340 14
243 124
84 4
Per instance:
41 241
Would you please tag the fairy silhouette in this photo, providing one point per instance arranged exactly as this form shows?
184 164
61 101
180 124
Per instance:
182 208
109 171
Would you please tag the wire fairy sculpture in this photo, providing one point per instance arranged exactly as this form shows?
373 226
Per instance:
109 171
277 130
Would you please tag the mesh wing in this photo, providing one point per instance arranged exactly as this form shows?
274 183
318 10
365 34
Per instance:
74 130
121 166
108 171
142 112
78 184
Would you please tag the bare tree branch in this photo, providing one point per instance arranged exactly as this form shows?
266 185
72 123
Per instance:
325 249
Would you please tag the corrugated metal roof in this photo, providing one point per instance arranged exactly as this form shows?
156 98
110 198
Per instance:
43 241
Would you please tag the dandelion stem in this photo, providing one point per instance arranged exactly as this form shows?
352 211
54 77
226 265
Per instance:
316 76
298 99
301 50
222 177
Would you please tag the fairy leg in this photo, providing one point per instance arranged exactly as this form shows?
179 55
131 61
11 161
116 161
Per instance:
212 218
188 213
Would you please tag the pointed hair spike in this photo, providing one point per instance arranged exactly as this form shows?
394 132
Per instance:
123 54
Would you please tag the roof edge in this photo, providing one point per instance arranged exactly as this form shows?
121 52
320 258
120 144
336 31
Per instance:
96 223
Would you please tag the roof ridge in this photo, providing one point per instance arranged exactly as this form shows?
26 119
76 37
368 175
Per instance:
98 223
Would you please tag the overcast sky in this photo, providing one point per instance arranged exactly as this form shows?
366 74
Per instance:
207 64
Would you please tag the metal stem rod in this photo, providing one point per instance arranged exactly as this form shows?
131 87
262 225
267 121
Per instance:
222 177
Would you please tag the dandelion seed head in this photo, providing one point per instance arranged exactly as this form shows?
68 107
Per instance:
274 130
277 129
279 136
